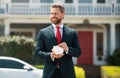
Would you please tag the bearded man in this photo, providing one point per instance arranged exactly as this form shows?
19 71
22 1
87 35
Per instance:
57 64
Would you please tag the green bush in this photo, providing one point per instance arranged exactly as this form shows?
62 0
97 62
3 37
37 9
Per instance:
79 72
110 71
39 66
17 46
114 59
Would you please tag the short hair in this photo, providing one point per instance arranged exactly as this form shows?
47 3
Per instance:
60 6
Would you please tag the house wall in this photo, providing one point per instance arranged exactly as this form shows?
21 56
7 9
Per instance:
35 26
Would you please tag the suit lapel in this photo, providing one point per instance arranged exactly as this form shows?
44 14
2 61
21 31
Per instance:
52 34
65 32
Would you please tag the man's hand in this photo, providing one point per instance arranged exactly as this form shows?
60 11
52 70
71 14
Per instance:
64 46
53 55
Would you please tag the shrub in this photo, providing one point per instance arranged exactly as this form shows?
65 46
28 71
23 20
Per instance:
79 72
39 66
114 59
110 71
17 46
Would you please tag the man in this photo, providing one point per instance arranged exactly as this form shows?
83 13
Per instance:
57 65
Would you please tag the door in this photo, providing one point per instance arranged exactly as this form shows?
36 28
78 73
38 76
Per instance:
86 44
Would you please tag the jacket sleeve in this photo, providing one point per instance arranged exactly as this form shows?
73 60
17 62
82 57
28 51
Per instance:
40 49
74 49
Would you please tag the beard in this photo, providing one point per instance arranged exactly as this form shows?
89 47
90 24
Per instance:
55 20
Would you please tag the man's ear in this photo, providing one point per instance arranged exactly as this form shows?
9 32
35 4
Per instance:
63 15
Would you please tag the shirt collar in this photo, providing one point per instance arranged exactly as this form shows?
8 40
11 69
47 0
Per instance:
61 26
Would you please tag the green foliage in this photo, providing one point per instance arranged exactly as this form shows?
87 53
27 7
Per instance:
110 71
114 59
17 46
79 72
39 66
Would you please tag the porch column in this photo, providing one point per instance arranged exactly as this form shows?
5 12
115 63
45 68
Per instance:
7 29
75 2
112 38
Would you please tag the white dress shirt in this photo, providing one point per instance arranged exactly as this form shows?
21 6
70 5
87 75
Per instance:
61 29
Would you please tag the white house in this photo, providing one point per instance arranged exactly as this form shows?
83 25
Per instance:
96 21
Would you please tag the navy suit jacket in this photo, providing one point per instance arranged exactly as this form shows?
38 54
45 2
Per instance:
45 42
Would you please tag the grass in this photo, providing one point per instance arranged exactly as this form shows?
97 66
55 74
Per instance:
39 66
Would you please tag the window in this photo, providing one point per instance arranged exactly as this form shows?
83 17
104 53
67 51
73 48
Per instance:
84 1
118 1
99 44
68 1
100 1
46 1
19 1
10 64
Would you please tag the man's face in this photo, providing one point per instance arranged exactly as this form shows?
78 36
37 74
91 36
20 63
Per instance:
56 16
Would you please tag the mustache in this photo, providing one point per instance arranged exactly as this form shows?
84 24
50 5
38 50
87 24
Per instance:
55 18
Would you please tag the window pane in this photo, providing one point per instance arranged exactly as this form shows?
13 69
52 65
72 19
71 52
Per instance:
118 1
84 1
20 0
68 1
99 44
100 1
46 1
